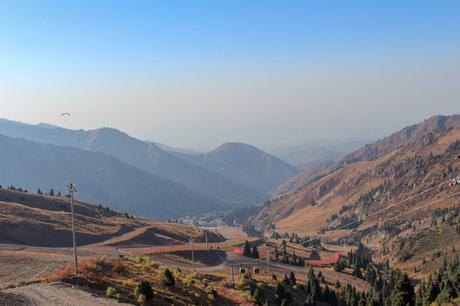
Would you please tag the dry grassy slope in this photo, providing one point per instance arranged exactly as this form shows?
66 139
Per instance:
404 171
38 220
435 124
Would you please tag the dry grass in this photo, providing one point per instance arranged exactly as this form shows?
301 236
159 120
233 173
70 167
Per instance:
123 274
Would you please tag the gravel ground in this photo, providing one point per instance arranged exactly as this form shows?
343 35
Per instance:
11 299
18 269
57 294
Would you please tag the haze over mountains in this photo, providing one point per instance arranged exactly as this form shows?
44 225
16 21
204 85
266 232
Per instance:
100 178
311 154
135 175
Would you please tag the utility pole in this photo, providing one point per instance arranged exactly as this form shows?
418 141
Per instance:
268 266
193 254
71 189
233 275
206 237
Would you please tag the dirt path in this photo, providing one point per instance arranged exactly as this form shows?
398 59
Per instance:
17 269
57 294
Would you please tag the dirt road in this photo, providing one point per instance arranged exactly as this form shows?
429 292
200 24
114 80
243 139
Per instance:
57 294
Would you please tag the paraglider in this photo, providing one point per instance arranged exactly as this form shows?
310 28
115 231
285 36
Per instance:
65 116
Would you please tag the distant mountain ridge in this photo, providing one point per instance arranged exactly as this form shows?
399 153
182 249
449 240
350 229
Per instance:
246 164
232 185
311 154
100 179
434 124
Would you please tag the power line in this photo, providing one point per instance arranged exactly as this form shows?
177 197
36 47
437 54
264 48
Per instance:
401 214
386 208
415 209
390 206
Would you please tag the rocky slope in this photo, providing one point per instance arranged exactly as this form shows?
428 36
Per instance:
373 178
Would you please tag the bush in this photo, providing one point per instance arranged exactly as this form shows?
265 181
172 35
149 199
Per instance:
110 292
141 299
167 279
129 282
143 289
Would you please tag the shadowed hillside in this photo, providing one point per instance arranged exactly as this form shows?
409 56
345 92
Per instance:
207 178
38 220
100 178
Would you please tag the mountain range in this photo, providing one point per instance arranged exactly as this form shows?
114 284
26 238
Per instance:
110 165
309 155
371 178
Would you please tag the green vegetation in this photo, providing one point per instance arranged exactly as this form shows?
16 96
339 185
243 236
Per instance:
110 292
167 279
441 287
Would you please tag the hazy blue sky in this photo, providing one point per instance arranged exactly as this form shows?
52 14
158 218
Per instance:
199 73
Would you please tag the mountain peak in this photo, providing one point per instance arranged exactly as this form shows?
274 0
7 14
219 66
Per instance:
235 146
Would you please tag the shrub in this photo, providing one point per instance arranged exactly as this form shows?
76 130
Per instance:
110 292
143 288
118 267
141 299
167 279
210 298
129 282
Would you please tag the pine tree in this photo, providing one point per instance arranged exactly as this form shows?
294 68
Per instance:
357 270
403 293
167 279
292 279
337 284
279 293
255 252
247 249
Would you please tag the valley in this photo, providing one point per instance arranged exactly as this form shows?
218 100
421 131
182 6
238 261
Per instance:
351 230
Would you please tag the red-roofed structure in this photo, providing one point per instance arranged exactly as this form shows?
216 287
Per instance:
238 251
325 262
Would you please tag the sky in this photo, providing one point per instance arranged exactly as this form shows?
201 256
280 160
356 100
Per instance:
195 74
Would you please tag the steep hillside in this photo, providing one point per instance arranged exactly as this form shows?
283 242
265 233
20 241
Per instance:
361 188
100 178
38 220
369 152
146 156
433 124
246 164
